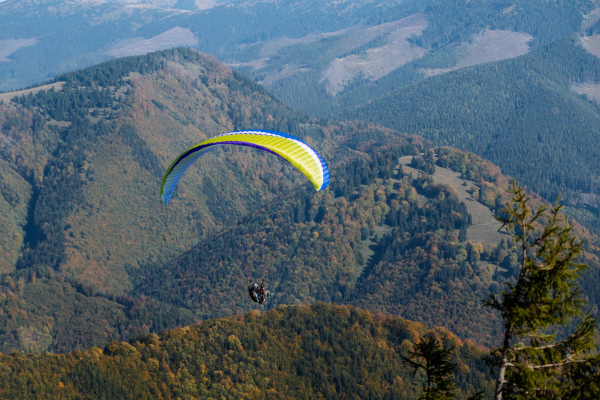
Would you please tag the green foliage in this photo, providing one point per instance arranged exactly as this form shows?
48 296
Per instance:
425 164
15 193
39 315
532 361
70 103
141 151
434 360
115 72
63 190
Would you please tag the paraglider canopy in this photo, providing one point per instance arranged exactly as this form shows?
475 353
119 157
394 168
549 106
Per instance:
294 150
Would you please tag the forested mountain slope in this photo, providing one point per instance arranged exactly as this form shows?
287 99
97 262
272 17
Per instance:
310 247
81 170
93 155
413 41
520 114
305 352
91 256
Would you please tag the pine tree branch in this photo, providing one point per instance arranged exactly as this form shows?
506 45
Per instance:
545 294
563 362
587 325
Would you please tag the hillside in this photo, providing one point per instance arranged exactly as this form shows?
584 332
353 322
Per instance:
91 256
81 168
311 247
416 40
484 227
104 144
520 114
82 164
315 352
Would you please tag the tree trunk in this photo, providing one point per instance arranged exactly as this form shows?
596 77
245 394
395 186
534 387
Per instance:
503 361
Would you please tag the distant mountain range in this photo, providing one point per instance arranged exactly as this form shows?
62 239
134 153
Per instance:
310 47
524 114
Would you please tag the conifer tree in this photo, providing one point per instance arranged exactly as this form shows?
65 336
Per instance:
535 360
430 356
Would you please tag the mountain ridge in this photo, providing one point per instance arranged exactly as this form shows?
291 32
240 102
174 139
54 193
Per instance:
318 351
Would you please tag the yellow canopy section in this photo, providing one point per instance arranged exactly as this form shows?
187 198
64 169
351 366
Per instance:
295 151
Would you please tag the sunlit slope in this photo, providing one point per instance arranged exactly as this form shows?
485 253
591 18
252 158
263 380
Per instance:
520 114
99 210
318 351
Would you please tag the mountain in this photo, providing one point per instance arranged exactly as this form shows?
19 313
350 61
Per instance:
415 42
82 162
81 170
92 257
311 247
304 50
318 351
386 236
106 152
521 114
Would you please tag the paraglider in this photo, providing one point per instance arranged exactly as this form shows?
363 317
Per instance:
292 149
298 153
258 294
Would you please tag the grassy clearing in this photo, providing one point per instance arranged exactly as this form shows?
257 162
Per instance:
485 227
6 97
